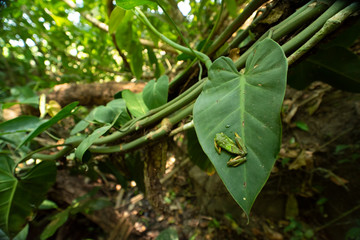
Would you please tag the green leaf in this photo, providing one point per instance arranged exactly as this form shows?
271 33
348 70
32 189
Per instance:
130 4
47 204
303 126
57 221
184 57
155 94
231 7
154 63
124 34
247 103
104 114
115 19
87 142
66 111
21 195
22 235
80 126
20 124
136 59
168 234
135 103
119 106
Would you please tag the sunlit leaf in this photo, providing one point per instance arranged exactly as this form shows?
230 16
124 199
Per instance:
53 108
136 59
130 4
231 6
115 19
47 204
42 105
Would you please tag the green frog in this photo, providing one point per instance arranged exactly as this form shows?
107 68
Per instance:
221 140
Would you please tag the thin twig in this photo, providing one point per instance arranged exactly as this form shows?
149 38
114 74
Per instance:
338 218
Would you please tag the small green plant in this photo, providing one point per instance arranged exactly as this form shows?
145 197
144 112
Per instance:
354 232
298 231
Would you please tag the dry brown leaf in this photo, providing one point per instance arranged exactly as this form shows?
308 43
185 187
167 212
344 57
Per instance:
271 234
338 180
304 159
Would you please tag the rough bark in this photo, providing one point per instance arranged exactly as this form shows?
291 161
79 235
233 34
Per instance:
92 94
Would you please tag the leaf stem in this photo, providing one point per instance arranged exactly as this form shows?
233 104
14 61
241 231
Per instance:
244 34
177 29
181 75
304 35
338 218
176 105
147 138
202 57
292 23
225 35
54 156
330 25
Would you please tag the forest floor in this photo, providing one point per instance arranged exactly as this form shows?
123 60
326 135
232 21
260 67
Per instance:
313 191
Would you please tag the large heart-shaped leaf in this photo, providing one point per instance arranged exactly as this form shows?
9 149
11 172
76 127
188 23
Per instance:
247 103
21 195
